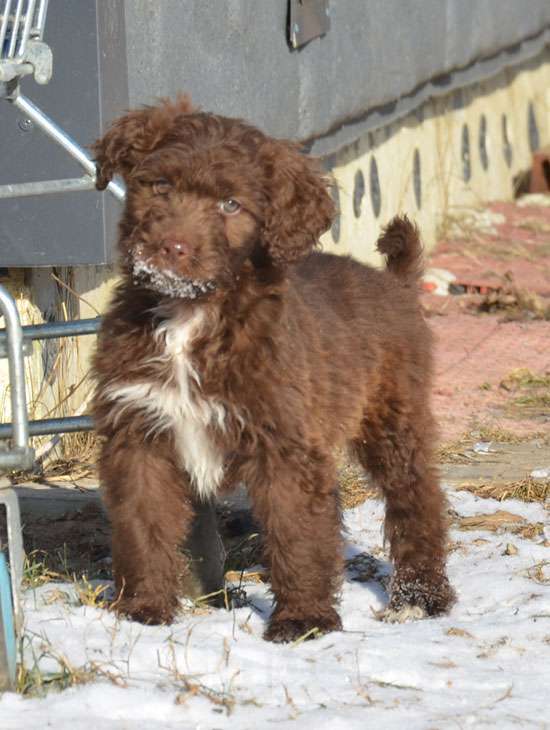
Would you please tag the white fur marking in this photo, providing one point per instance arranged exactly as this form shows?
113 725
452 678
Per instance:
172 405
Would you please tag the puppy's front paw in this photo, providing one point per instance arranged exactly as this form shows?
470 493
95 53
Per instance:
283 631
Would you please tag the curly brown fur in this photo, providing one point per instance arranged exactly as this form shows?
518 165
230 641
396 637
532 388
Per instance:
232 352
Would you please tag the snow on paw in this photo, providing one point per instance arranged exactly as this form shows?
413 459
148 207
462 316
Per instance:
402 615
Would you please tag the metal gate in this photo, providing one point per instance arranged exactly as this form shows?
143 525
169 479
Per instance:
23 52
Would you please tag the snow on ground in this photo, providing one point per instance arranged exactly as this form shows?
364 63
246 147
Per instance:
484 666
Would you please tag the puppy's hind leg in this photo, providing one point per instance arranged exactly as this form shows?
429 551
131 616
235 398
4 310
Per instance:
397 452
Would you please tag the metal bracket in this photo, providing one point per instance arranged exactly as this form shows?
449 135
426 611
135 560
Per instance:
38 61
308 19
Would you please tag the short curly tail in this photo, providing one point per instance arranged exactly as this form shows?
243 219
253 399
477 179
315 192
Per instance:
400 244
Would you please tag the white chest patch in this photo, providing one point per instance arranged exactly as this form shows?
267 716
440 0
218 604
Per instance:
174 405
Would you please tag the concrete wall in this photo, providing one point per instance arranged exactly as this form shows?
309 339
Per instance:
504 120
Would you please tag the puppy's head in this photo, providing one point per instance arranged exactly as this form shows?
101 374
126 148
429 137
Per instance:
205 195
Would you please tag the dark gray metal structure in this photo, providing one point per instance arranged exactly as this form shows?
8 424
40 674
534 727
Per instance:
88 87
379 59
372 62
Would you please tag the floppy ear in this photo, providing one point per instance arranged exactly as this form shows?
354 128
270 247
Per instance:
299 207
135 135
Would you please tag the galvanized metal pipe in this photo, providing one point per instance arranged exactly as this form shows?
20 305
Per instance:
54 131
41 18
20 427
4 26
46 426
8 497
49 330
15 28
29 17
46 187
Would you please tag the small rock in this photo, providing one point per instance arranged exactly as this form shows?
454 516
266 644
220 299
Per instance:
510 549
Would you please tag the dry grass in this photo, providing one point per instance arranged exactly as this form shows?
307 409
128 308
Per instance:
459 450
526 490
533 401
525 378
37 573
188 688
539 572
469 224
493 521
534 225
530 531
514 303
33 681
500 435
454 452
531 391
247 576
501 521
354 485
462 633
56 387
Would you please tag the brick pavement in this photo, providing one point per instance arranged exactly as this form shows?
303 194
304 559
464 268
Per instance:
475 352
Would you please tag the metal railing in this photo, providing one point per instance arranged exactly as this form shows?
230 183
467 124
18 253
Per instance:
23 52
20 455
30 333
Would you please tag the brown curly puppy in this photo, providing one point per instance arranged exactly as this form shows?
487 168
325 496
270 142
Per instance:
233 352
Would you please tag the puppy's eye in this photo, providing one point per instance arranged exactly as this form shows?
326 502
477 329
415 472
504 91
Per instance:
230 206
161 187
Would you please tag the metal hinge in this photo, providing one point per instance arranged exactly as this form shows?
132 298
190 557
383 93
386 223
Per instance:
308 19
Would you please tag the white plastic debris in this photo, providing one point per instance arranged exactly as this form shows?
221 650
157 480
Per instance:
437 281
482 447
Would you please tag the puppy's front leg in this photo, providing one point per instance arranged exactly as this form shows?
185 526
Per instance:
301 517
148 502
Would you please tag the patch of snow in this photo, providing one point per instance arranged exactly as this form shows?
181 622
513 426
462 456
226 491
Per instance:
485 665
468 504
